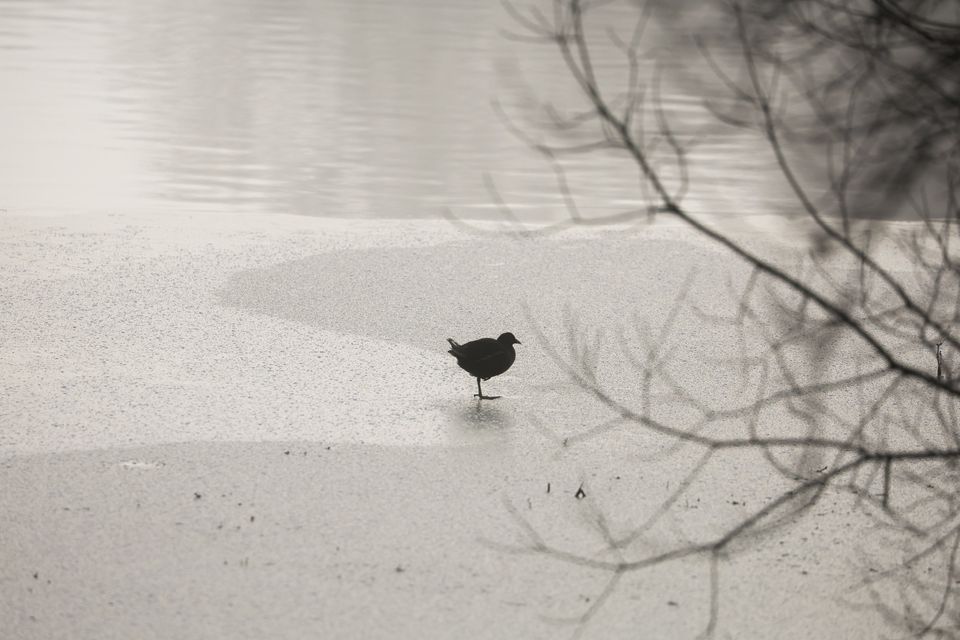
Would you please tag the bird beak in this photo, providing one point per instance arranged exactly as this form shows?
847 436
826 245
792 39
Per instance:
518 342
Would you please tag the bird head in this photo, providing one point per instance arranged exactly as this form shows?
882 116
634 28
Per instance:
508 339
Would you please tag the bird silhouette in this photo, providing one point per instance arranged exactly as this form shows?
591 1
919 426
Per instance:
485 358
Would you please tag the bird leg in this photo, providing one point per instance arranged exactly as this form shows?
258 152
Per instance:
480 395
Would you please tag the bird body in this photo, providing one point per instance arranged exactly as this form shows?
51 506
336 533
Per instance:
485 358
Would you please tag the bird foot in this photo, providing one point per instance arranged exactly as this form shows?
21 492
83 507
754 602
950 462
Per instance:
477 395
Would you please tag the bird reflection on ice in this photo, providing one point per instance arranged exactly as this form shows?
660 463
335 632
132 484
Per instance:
477 418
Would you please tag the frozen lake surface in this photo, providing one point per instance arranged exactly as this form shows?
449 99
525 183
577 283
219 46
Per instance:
253 427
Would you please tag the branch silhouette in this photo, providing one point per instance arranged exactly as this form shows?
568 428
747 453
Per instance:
822 77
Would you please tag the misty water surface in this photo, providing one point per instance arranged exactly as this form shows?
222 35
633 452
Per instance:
338 108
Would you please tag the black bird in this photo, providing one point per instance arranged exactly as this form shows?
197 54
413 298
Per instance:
485 358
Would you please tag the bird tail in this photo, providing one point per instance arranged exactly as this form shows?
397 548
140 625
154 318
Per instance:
454 348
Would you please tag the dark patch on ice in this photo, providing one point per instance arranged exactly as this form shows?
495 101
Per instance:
420 295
